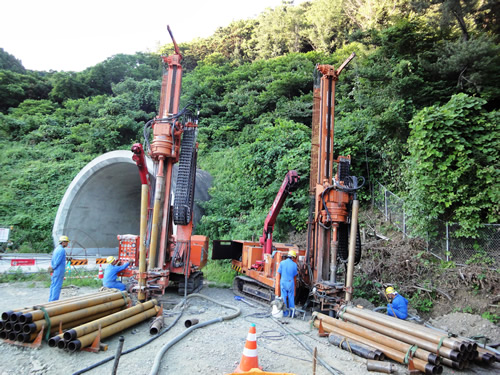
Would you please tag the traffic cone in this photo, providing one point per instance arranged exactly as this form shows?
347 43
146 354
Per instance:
101 273
249 358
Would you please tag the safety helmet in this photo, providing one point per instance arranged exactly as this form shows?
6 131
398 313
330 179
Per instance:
63 239
110 259
390 290
292 253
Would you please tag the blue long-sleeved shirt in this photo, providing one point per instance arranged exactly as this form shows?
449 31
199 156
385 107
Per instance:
111 271
400 306
58 262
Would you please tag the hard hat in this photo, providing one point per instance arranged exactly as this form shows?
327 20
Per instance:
292 253
390 290
63 239
110 259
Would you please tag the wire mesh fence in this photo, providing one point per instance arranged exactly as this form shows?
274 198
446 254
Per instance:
446 245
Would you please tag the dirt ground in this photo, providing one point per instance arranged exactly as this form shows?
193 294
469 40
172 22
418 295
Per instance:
214 349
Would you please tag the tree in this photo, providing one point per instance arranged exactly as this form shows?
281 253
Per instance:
9 62
453 168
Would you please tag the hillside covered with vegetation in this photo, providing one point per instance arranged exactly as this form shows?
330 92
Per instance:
417 110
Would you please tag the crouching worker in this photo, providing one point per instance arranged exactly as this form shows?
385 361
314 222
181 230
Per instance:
398 305
110 272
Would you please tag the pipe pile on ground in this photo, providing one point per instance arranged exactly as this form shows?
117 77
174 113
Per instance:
84 335
24 324
400 339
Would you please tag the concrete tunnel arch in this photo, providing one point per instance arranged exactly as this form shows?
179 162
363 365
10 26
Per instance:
103 200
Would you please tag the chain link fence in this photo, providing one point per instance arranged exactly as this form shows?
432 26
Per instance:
445 245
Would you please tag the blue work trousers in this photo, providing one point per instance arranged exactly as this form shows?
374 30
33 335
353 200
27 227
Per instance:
56 285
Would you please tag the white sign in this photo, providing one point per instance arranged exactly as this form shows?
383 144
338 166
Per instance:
4 234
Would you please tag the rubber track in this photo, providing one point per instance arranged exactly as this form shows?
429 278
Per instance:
253 298
186 176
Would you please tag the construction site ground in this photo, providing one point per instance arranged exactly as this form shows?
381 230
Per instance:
215 349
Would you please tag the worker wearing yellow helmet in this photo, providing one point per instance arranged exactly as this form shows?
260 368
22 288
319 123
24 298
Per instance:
111 271
286 278
398 305
57 268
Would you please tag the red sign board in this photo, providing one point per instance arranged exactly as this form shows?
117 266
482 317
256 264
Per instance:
22 262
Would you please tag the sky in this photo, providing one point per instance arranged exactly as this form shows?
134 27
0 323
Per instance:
72 35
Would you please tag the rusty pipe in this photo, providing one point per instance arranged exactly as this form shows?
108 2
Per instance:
72 306
142 245
407 327
352 249
155 228
110 330
90 327
405 337
157 325
371 334
379 366
391 353
353 346
76 315
76 323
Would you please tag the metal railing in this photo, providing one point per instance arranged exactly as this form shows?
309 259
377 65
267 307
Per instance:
445 245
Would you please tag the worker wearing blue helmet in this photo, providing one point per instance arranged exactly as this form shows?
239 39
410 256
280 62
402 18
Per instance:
111 272
57 268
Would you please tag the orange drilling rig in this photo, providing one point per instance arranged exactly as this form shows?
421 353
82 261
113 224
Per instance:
163 253
333 236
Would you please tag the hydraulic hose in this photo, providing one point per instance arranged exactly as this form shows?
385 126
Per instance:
163 350
330 369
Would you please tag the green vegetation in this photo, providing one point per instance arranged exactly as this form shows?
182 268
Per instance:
79 278
219 274
416 110
494 318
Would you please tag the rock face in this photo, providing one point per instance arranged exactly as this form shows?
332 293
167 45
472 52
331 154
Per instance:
103 200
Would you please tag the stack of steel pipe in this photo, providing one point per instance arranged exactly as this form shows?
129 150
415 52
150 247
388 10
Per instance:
24 324
82 336
397 339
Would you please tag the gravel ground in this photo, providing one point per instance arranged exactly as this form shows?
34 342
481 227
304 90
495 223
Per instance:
214 349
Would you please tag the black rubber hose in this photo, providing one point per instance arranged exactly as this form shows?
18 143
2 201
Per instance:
105 360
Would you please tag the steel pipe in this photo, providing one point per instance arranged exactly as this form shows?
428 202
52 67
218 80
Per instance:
352 249
76 315
371 334
72 306
405 337
90 327
142 244
459 365
3 334
8 326
379 366
156 326
407 327
393 354
110 330
190 322
353 346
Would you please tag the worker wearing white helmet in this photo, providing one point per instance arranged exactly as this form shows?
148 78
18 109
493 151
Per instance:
287 280
398 305
110 273
57 268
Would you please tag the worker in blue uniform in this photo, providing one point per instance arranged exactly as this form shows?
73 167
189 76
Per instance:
57 268
113 268
398 305
288 272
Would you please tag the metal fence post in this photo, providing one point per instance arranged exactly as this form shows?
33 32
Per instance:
385 204
447 242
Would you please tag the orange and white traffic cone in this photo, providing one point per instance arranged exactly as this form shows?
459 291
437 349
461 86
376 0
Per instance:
249 359
101 273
